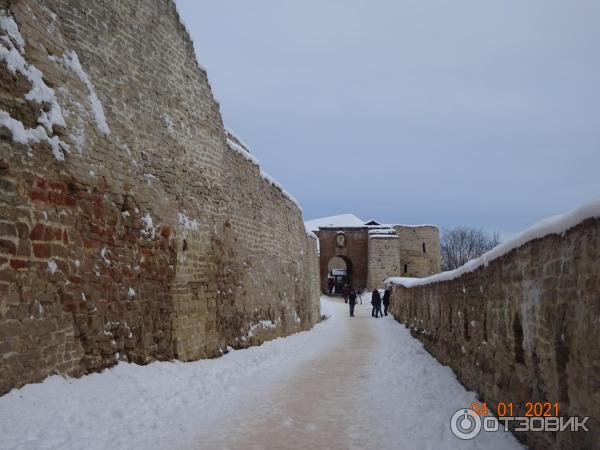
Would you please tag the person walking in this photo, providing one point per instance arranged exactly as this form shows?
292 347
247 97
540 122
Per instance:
376 302
386 301
346 292
330 284
352 302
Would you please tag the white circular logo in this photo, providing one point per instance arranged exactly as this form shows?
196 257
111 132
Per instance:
465 424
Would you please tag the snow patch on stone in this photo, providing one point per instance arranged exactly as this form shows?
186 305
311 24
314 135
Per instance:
104 253
264 325
149 230
186 222
11 28
71 60
12 52
52 266
168 121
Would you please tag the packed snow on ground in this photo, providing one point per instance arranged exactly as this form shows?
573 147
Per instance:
348 383
552 225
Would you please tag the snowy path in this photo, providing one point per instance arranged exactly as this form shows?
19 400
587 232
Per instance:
357 383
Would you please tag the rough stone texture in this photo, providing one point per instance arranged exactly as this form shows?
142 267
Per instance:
524 328
384 260
154 241
417 262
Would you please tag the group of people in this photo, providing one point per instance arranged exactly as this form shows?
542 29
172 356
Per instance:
377 301
350 297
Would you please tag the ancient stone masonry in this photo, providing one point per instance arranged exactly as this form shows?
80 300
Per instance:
523 328
133 227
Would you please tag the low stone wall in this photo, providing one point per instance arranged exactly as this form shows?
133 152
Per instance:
524 328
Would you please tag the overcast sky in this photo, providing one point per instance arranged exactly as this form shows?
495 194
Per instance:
482 113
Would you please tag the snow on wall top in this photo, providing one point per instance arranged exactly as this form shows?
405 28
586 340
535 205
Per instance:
268 178
340 221
413 226
383 236
552 225
236 138
237 145
382 233
310 233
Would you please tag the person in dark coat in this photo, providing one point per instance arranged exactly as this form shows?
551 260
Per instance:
386 301
376 302
352 302
346 292
330 284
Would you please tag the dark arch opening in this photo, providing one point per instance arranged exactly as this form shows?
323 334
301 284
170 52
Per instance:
339 273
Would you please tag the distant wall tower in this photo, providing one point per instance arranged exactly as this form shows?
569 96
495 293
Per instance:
420 251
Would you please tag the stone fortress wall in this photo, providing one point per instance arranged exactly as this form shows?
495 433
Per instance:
523 328
133 227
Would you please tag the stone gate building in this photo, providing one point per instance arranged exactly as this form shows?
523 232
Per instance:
365 253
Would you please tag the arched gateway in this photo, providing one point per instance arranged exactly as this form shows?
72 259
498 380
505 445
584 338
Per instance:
343 256
339 273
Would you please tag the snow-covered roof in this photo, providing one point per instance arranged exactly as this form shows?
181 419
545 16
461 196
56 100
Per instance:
351 221
340 221
552 225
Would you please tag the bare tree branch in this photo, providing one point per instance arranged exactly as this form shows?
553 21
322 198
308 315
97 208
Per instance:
462 244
